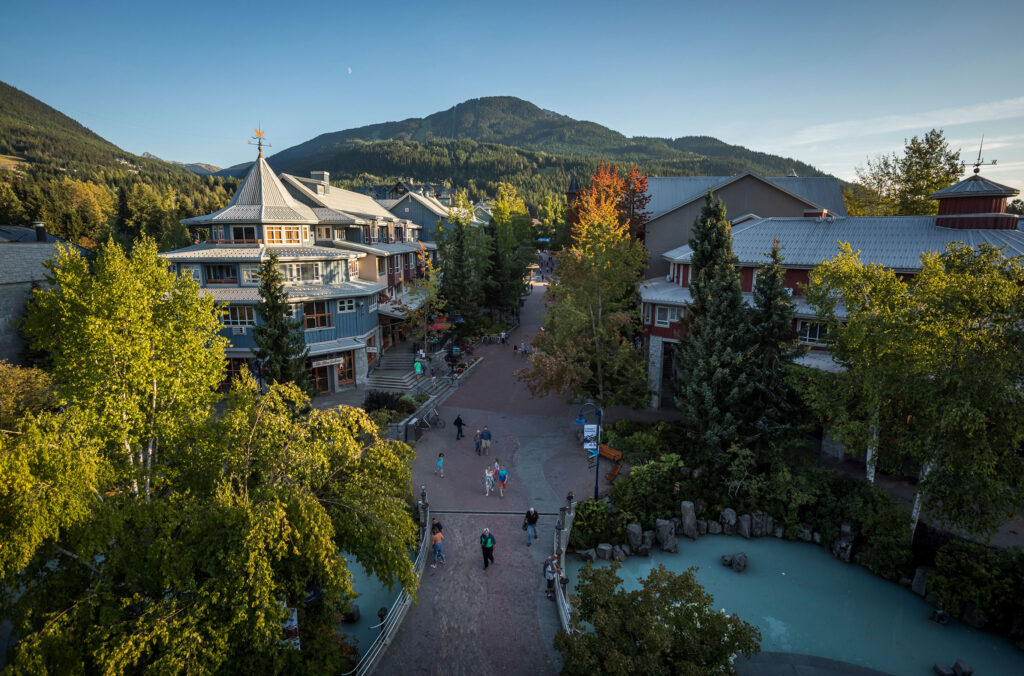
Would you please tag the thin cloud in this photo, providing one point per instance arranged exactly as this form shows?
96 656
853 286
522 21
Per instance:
350 70
981 112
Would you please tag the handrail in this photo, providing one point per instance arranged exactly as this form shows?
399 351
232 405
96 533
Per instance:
561 600
368 662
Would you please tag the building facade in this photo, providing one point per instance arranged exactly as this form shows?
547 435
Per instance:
971 211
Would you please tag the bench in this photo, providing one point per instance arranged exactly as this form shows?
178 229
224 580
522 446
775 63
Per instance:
609 453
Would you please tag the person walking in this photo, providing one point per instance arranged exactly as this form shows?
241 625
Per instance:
434 523
477 441
502 481
436 538
485 440
440 465
458 426
488 481
487 547
530 525
552 571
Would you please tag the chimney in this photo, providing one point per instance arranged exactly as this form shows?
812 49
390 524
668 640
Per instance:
324 178
40 229
815 213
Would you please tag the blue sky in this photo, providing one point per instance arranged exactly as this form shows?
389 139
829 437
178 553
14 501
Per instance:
827 83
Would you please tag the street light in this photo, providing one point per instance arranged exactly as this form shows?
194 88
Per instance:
580 420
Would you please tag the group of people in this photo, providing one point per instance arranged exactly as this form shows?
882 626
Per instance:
496 474
522 348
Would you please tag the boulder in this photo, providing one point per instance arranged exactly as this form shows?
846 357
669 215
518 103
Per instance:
587 555
769 525
649 538
666 531
920 584
727 560
678 523
627 550
696 473
689 519
701 507
961 668
846 530
728 517
702 527
618 554
943 670
714 528
940 617
352 614
634 535
842 548
757 523
779 532
805 533
604 551
817 538
739 562
972 617
643 550
743 525
905 581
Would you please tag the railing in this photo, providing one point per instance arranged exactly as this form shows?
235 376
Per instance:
393 620
561 541
235 241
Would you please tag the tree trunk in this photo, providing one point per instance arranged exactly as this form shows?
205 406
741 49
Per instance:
871 458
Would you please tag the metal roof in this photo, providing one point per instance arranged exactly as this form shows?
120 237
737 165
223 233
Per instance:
260 199
661 292
336 198
976 186
431 204
669 193
894 241
250 294
204 251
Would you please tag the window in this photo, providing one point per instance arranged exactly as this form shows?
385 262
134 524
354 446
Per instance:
221 274
282 234
240 315
317 315
305 233
647 313
244 233
250 273
366 234
190 270
399 234
381 265
323 232
320 379
301 273
217 232
346 305
665 315
372 305
346 369
812 332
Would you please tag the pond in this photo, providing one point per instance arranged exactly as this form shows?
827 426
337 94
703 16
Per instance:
805 601
373 595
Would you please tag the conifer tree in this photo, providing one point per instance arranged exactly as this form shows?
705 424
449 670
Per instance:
775 346
716 381
280 345
463 273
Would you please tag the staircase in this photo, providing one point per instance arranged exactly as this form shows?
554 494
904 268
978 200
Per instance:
396 373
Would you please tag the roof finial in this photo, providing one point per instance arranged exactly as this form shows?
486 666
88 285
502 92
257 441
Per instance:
978 163
259 141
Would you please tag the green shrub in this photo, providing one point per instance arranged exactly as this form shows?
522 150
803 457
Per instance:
421 399
406 404
989 579
595 523
378 399
383 416
651 491
641 442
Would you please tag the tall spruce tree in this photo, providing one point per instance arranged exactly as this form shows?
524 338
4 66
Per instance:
463 266
717 379
280 345
775 346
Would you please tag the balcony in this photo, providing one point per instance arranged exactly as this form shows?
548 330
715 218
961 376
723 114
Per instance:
409 273
235 241
394 278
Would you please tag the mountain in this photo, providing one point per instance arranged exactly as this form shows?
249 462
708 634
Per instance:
200 168
482 141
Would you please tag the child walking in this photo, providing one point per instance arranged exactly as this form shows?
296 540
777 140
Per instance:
440 465
477 441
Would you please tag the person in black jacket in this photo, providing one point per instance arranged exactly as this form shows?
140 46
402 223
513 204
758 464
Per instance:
530 525
458 427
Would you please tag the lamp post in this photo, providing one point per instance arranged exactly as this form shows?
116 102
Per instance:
580 420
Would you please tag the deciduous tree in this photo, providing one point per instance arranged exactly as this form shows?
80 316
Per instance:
668 626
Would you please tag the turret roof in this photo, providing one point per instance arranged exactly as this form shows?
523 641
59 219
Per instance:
976 186
260 199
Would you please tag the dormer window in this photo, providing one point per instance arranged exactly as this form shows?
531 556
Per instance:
301 273
221 274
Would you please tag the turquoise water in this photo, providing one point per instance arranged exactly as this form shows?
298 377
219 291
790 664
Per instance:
805 601
373 595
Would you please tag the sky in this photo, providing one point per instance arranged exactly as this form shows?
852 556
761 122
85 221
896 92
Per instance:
831 84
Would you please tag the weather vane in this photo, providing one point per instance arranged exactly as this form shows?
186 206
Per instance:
259 140
979 163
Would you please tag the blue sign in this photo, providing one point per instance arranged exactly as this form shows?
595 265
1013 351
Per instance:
593 454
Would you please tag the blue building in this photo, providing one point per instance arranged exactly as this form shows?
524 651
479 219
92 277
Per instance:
425 211
336 305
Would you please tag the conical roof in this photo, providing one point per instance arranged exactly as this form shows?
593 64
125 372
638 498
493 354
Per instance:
574 185
260 199
975 186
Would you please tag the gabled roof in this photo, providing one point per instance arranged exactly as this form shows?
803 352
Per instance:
260 199
338 199
669 193
431 204
204 251
976 186
896 242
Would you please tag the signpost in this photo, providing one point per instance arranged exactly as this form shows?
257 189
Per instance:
590 437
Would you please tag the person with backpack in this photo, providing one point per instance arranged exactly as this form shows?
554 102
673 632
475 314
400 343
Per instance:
487 547
552 571
458 426
530 525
